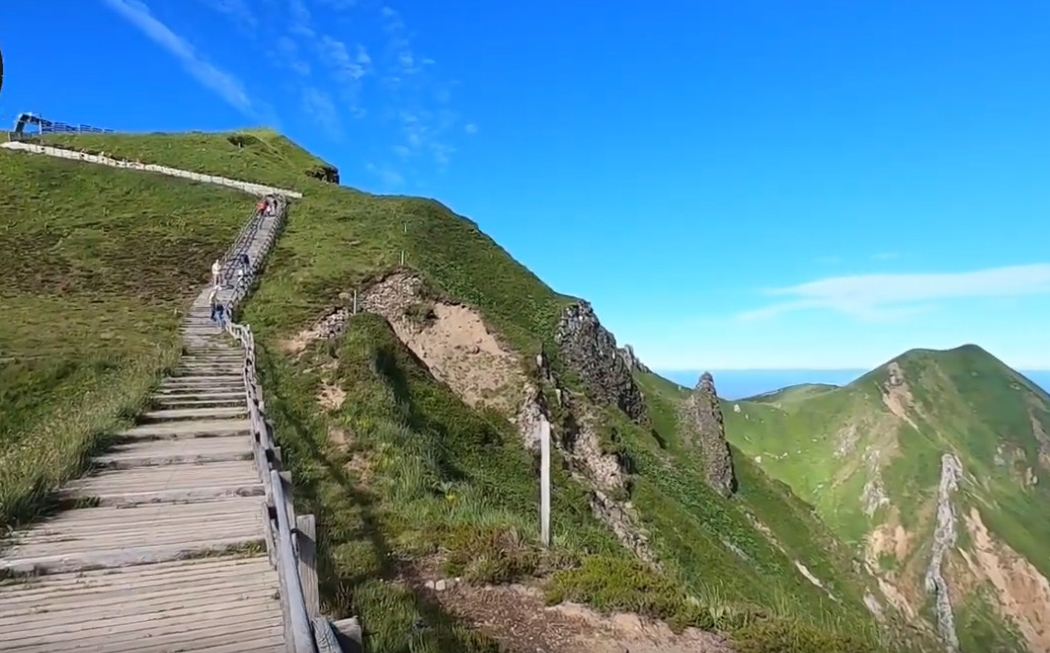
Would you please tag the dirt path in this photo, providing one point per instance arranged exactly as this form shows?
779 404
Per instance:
517 617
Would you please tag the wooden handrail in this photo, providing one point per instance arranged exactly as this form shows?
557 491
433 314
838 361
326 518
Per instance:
285 539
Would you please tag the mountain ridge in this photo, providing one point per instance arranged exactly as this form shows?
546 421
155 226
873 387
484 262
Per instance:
744 384
885 435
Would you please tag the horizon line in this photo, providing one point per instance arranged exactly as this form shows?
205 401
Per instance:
798 369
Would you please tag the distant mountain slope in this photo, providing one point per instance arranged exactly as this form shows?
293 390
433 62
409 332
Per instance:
871 456
742 385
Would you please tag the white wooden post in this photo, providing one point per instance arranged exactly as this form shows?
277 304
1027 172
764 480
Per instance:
545 482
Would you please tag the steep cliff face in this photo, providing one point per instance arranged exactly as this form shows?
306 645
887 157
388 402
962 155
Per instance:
590 350
706 417
631 360
575 435
944 539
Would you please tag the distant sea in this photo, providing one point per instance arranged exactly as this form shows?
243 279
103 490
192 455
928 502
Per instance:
740 384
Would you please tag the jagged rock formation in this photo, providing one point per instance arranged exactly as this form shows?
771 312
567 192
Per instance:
943 540
590 350
706 415
631 360
329 174
577 442
388 297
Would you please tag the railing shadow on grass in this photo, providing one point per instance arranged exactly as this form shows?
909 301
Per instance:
290 535
290 538
437 623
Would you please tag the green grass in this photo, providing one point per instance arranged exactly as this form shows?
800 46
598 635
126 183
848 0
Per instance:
964 401
98 263
792 395
981 629
447 485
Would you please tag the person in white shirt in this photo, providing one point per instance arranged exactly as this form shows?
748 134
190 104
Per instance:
216 268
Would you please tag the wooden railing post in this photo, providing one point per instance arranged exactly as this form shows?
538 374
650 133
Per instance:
306 533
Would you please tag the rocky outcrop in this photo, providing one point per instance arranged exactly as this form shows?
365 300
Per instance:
620 517
706 416
943 541
575 438
631 360
590 351
325 173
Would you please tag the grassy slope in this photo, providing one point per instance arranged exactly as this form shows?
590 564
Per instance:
965 401
791 395
424 475
96 262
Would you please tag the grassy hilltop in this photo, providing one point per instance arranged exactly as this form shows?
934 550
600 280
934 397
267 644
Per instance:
97 264
868 456
414 473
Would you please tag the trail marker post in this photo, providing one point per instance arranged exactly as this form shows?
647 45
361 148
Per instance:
545 482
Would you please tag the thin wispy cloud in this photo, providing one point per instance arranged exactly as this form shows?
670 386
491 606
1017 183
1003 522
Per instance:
301 23
895 296
352 62
347 64
388 176
348 68
422 100
286 55
237 10
318 105
338 5
224 84
885 256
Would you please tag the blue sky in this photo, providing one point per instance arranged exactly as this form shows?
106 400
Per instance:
733 183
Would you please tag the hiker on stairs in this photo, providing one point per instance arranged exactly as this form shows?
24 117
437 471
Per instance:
217 309
216 268
242 268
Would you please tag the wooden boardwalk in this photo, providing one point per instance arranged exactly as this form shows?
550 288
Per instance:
171 555
184 538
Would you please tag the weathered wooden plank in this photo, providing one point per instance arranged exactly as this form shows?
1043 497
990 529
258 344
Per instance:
114 606
136 453
196 494
91 587
198 401
254 638
59 563
90 527
188 430
226 615
271 548
173 414
126 535
289 506
306 546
